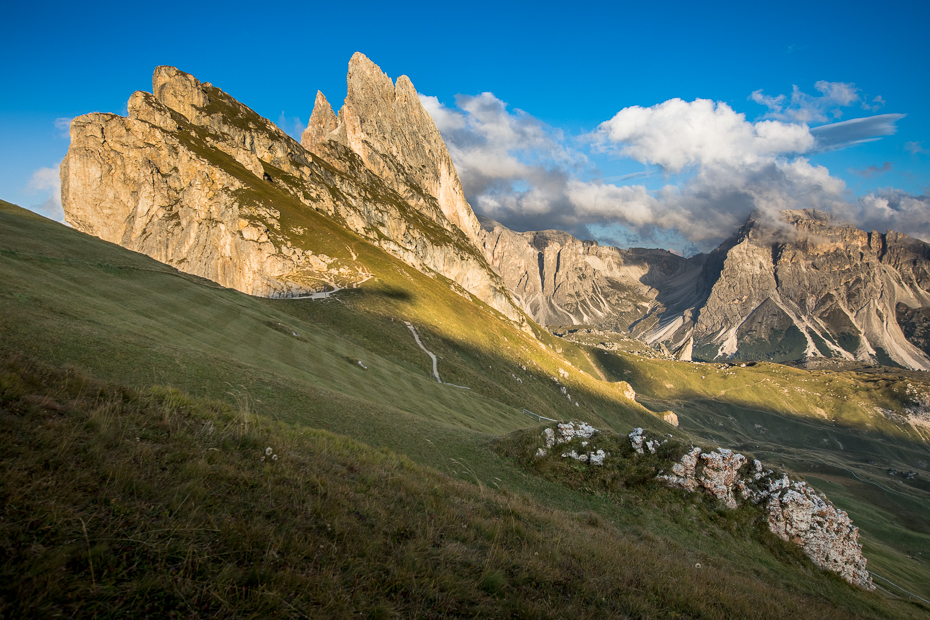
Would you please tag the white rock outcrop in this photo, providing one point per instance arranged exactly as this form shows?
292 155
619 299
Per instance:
796 512
564 433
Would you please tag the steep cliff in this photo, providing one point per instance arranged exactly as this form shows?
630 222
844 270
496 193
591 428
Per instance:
394 135
560 280
797 288
807 287
195 179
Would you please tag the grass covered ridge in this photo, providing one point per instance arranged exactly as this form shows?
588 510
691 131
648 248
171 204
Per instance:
117 502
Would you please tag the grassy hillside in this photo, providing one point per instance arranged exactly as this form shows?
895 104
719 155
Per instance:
137 402
827 426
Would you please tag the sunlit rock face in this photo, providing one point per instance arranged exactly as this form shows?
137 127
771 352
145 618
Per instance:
797 288
199 181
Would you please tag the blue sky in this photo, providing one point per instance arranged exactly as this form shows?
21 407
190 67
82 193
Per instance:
616 121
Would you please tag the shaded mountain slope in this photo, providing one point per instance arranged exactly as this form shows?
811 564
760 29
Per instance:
246 373
800 288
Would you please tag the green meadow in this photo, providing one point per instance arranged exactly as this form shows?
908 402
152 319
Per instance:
138 403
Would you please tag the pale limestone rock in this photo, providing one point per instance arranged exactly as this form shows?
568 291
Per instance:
142 183
796 512
670 417
560 280
683 353
627 390
565 432
802 516
636 440
388 127
720 472
683 472
177 180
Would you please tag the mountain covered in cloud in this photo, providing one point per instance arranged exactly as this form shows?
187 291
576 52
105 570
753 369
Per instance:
690 172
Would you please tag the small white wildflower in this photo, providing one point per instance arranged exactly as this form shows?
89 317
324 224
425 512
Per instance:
274 457
268 451
263 459
698 565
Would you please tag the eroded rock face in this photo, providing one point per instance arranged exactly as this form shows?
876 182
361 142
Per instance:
798 288
560 280
136 182
395 136
796 512
197 180
807 287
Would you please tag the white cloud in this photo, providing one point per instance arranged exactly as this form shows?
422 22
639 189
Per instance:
719 167
63 125
855 131
446 120
804 108
890 209
915 147
513 167
292 125
677 134
876 104
46 181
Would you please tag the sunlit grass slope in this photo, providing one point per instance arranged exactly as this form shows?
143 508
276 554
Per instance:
137 487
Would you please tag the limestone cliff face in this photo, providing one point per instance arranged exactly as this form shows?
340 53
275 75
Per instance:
815 289
388 128
799 288
136 182
197 180
561 280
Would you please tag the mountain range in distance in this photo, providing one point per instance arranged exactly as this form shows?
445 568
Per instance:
801 288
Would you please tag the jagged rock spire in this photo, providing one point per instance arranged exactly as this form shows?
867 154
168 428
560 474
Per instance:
388 127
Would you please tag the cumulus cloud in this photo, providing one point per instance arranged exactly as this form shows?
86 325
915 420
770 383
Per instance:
513 167
717 166
713 203
890 209
803 108
676 134
45 182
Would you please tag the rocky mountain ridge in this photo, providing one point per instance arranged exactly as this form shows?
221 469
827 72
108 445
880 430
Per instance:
199 181
799 288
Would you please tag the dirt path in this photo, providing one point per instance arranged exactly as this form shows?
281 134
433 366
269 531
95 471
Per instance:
416 336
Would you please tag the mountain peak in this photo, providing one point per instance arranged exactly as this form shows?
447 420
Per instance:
177 90
390 130
323 122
